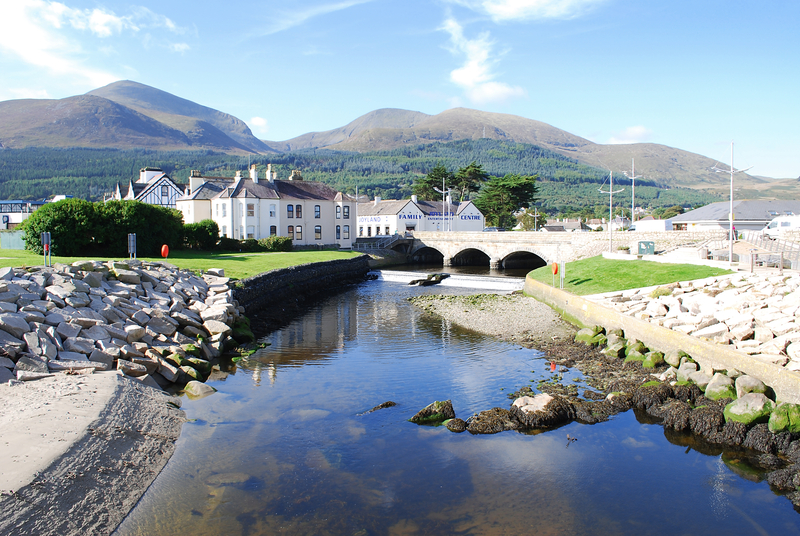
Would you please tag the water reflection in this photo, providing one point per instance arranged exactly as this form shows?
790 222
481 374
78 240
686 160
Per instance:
282 449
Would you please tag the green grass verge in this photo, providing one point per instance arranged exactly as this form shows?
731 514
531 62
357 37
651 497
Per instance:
596 274
236 265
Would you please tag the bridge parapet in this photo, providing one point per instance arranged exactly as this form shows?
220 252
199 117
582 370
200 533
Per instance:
552 247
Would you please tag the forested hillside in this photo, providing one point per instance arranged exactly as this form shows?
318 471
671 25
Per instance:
565 185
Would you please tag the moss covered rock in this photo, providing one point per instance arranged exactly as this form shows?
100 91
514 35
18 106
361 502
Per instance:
435 412
634 356
720 386
750 409
653 359
615 350
673 357
635 346
785 418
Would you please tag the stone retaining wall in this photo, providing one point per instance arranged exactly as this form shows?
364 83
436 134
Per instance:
710 356
277 286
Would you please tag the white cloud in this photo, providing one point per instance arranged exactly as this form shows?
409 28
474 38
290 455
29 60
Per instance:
522 10
475 76
259 125
41 33
290 19
179 47
28 93
636 134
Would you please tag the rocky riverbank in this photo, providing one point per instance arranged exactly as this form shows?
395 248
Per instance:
86 352
711 410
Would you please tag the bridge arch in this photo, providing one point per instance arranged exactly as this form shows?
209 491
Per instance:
427 255
472 256
523 258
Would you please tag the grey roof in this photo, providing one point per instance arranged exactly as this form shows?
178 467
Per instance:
437 206
206 191
762 210
244 188
388 206
304 190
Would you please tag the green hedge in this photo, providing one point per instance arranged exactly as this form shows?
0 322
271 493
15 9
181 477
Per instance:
202 235
269 244
78 227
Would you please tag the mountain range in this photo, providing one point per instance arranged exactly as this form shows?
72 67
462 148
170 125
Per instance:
128 114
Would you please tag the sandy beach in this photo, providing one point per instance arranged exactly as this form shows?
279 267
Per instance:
80 450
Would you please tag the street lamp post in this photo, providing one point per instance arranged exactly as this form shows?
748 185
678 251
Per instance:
610 193
633 178
732 170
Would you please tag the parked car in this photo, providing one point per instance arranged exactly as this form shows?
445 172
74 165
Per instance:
781 224
492 229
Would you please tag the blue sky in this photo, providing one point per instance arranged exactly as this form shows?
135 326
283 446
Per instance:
691 74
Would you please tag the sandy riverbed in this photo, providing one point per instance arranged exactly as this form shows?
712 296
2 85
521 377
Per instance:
78 451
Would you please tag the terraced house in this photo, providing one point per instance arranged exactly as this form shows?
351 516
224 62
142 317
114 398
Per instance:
309 212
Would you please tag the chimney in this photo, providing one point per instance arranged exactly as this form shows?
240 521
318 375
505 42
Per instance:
377 200
270 174
253 174
238 174
296 175
414 199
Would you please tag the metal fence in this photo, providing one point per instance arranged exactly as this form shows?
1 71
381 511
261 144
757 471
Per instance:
781 253
379 242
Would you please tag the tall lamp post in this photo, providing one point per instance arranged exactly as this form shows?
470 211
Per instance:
633 178
732 170
610 193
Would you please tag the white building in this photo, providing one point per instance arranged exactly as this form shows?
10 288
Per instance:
387 217
153 187
311 213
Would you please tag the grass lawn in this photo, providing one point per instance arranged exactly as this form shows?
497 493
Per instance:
596 274
237 265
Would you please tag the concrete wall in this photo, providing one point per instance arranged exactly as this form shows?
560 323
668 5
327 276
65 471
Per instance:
582 312
271 289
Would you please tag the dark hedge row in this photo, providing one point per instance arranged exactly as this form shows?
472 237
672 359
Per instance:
79 227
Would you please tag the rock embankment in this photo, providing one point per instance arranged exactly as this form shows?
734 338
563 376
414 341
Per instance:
757 314
151 321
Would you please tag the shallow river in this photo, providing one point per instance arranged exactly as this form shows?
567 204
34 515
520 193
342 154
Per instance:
282 447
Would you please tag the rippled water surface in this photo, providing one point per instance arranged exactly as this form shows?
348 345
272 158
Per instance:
282 449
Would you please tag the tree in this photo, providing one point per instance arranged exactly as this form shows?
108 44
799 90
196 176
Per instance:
71 224
501 197
469 179
437 177
532 221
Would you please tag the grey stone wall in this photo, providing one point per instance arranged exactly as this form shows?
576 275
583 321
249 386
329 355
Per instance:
297 283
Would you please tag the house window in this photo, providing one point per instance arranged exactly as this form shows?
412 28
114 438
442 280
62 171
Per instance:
165 191
224 209
377 231
225 231
346 232
369 231
338 212
299 211
273 230
298 232
338 232
317 212
251 209
251 231
387 230
346 209
272 211
290 232
318 232
290 211
361 231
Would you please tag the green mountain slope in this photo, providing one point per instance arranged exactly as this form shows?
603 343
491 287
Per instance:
182 114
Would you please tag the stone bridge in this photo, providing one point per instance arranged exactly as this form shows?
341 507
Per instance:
534 249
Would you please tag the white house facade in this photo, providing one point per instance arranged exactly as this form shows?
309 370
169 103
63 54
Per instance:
153 187
387 217
311 213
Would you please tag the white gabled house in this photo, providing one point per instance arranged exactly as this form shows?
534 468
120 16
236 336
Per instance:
153 187
311 213
387 217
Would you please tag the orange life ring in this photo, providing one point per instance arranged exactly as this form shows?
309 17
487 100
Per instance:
164 251
554 267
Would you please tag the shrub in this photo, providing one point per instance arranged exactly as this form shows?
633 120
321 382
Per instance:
71 224
202 235
78 227
228 244
276 243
